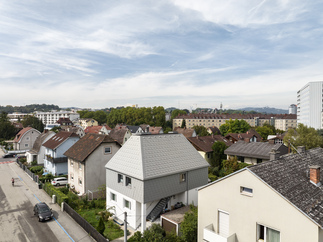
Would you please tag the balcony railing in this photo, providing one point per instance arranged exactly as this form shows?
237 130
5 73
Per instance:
210 235
56 160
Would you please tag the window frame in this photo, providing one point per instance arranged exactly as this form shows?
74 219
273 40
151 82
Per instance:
128 181
247 191
125 203
110 150
120 178
182 177
113 197
264 233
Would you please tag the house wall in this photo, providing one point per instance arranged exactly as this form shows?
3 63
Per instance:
65 146
28 139
253 161
74 174
265 206
95 174
41 153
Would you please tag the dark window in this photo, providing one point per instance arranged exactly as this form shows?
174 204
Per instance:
128 181
120 178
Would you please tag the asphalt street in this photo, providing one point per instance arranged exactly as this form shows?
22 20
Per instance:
17 222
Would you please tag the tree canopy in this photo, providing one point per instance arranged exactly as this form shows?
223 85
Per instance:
200 130
176 112
234 126
7 130
218 153
33 122
266 130
304 136
188 227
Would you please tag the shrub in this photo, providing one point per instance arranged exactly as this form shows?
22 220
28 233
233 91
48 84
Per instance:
36 169
51 190
101 226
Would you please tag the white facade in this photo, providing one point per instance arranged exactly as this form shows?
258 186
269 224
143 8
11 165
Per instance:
50 118
310 105
292 109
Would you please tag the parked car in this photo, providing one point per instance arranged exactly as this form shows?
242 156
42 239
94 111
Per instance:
43 212
59 181
8 155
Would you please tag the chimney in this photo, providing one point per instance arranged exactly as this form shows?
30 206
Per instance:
274 154
315 175
301 149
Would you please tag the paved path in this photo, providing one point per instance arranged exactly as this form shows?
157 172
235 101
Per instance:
17 222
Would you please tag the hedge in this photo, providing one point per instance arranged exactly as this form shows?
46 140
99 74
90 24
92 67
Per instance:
51 190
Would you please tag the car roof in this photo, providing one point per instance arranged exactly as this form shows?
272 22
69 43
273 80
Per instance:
42 204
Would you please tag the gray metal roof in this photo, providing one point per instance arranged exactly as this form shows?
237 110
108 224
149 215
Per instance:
148 156
255 149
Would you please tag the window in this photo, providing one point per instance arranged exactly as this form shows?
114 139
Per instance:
120 178
246 191
80 166
26 145
72 163
128 181
259 161
72 177
266 234
113 197
127 204
182 177
107 150
27 138
80 181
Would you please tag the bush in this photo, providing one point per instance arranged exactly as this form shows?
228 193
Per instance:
51 190
101 226
36 169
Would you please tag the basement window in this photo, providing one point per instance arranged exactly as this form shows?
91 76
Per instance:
246 191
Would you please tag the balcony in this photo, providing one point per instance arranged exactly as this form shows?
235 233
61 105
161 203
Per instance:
56 160
210 235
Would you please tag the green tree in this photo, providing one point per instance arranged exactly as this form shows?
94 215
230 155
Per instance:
231 165
183 124
176 112
101 226
189 225
218 154
100 116
304 136
7 130
234 126
266 130
33 122
200 130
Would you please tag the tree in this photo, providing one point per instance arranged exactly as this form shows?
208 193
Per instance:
176 112
218 153
189 225
100 116
101 226
34 122
266 130
200 130
7 130
231 165
236 126
304 136
183 124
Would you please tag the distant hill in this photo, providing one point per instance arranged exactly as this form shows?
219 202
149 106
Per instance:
265 110
29 108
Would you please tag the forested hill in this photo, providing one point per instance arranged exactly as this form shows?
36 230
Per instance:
265 110
29 108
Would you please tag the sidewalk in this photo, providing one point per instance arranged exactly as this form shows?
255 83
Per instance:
73 229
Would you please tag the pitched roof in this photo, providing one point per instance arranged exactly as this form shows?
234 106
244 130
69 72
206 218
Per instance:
58 139
155 130
214 130
289 176
255 149
205 143
133 129
186 132
21 133
148 156
93 129
118 134
86 145
39 141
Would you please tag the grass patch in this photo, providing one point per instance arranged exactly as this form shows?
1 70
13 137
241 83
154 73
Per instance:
112 230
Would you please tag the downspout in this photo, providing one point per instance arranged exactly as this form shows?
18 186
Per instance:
186 188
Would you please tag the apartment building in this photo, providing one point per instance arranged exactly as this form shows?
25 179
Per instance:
50 118
280 121
310 105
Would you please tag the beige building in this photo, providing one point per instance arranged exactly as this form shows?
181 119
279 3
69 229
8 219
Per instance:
87 122
275 201
283 121
86 162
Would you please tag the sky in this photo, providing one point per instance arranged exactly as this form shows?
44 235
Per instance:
171 53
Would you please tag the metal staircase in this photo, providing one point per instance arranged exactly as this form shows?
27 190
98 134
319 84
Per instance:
153 215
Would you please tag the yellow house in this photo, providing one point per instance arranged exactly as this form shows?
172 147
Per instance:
88 122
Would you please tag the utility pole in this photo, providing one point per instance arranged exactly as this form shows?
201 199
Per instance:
125 226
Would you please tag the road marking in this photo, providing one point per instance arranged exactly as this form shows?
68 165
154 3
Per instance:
19 177
37 198
6 162
63 229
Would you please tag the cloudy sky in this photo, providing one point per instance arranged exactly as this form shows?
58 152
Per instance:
176 53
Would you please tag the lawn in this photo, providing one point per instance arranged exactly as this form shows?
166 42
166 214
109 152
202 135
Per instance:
112 230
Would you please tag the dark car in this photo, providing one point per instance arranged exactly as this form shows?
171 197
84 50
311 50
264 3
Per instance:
8 155
43 212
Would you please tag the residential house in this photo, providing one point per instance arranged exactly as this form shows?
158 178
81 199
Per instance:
186 132
171 221
37 153
203 144
156 130
277 139
87 122
75 129
55 161
135 129
120 134
151 173
213 130
86 162
25 139
64 122
276 201
104 129
255 152
250 136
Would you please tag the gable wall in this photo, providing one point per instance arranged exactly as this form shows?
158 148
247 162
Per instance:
265 207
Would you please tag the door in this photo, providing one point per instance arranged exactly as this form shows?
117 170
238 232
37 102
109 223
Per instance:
223 224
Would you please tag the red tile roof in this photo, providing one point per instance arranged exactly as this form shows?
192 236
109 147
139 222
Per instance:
184 131
93 129
205 143
21 133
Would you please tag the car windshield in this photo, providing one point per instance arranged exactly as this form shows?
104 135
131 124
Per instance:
44 209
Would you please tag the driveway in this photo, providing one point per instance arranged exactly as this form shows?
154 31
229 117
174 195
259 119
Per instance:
17 222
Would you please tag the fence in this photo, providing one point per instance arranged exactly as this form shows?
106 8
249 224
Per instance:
84 224
32 175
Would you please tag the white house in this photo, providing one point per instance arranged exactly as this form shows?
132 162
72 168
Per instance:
151 173
55 161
